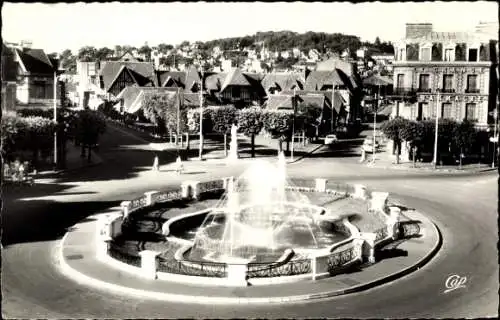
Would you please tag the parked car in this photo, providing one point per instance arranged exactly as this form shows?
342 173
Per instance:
331 139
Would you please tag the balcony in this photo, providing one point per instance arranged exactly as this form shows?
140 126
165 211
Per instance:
471 90
446 90
403 92
426 90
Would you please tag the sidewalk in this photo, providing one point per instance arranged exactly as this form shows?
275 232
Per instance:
78 261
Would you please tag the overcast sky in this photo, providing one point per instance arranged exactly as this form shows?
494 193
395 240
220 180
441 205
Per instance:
55 27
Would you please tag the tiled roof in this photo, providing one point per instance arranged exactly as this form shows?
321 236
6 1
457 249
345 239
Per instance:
142 71
235 78
339 100
285 81
36 61
192 77
284 101
177 76
317 79
213 82
452 36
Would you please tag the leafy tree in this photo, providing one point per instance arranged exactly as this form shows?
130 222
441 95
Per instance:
222 119
164 48
464 136
103 53
162 111
250 124
67 60
118 50
193 122
279 124
87 54
88 127
308 118
393 129
146 51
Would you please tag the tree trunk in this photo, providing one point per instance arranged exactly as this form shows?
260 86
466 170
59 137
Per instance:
461 156
397 153
288 146
225 145
89 153
414 155
82 154
253 145
280 145
187 141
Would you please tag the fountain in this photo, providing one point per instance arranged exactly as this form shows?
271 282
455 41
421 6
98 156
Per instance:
258 218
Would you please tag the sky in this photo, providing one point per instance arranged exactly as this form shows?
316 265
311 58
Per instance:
55 27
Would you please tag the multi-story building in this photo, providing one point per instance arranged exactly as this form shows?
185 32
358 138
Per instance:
448 73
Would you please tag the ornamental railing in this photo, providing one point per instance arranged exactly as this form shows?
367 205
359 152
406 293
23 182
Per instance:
164 196
138 203
380 234
292 268
193 268
338 259
471 90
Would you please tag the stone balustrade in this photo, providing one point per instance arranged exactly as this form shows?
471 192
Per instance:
149 264
360 192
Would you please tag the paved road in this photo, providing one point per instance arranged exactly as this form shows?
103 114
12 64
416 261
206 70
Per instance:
464 207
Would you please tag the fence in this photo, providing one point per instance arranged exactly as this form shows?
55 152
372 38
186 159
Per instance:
292 268
192 268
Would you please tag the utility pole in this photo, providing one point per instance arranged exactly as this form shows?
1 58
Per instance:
200 155
178 119
55 118
333 106
375 125
294 105
436 130
495 115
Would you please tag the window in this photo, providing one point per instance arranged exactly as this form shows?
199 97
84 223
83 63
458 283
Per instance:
470 111
448 83
472 84
401 81
424 83
401 54
39 90
448 55
425 54
446 111
472 54
236 92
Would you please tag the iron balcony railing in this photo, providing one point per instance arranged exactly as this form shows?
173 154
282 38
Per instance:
446 90
404 91
471 90
427 90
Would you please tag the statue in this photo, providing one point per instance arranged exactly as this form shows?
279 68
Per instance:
233 145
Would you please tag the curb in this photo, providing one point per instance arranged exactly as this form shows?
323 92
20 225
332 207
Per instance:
84 279
430 170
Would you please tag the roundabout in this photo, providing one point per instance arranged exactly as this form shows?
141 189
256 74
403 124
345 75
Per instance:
263 236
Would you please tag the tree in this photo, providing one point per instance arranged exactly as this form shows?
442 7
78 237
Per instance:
193 123
393 129
308 118
88 127
161 110
250 124
222 119
118 50
87 54
279 124
464 136
164 48
146 51
103 53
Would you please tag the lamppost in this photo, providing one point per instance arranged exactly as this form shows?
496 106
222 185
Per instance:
436 130
200 155
55 118
294 105
375 124
333 106
178 119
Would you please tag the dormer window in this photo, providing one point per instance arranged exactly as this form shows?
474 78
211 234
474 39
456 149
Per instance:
425 53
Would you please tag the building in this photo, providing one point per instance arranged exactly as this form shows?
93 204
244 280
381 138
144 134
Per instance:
9 79
448 73
114 76
36 77
273 83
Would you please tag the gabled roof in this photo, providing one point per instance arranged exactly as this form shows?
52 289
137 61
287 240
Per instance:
317 79
141 71
285 102
339 100
285 81
214 81
192 77
35 61
176 78
235 78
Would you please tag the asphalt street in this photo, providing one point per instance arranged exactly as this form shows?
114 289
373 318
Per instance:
464 207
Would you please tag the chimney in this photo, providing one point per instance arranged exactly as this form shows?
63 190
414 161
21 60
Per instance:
417 30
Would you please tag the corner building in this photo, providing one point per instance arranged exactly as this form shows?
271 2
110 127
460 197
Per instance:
452 73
